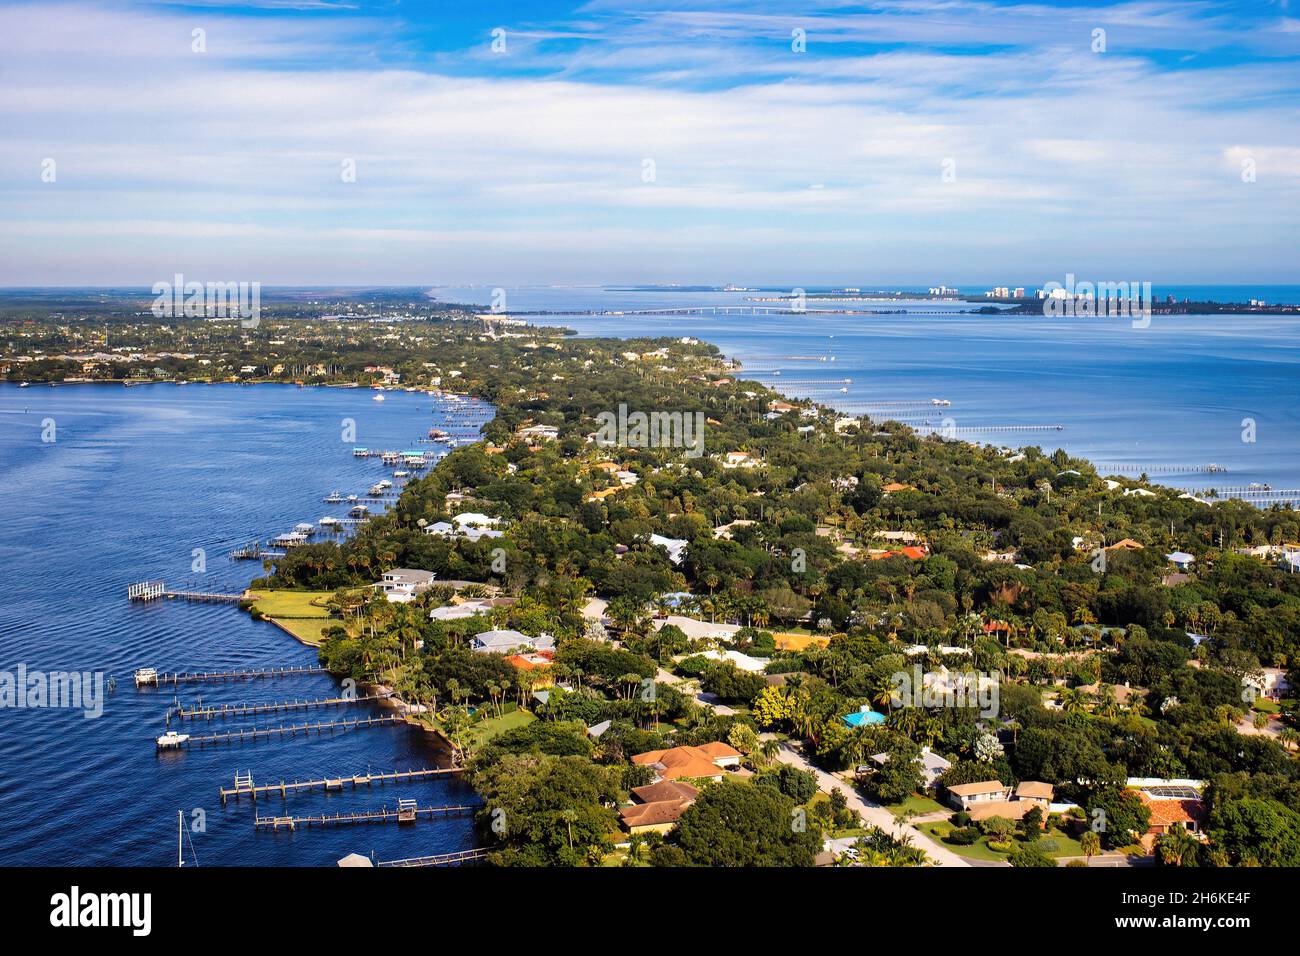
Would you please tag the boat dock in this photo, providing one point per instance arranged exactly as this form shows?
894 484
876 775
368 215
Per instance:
405 813
153 590
440 859
1261 497
244 783
147 675
244 710
254 552
290 730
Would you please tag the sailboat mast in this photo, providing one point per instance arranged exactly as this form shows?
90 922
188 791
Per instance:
180 834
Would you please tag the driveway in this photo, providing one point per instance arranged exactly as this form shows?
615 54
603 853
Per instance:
872 813
707 700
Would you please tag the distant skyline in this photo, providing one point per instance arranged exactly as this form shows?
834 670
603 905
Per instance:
964 142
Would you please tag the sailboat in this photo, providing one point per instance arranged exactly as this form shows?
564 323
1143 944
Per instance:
180 841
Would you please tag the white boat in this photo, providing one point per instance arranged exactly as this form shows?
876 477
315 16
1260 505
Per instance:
378 397
24 384
171 740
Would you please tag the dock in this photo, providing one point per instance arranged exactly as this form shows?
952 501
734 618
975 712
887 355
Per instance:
147 675
244 710
404 814
290 730
244 783
254 552
146 591
441 859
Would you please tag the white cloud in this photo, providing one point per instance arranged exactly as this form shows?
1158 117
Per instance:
234 159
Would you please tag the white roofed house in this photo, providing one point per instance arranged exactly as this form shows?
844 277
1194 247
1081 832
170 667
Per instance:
504 641
676 547
1181 560
538 433
402 585
474 519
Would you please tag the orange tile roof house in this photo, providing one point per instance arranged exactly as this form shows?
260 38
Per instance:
964 796
705 762
1125 544
1166 812
660 806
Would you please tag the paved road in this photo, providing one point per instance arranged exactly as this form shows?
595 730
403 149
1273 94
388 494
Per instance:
873 813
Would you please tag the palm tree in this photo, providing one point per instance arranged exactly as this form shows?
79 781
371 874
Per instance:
1090 843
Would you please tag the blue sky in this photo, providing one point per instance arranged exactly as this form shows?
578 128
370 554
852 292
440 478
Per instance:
953 141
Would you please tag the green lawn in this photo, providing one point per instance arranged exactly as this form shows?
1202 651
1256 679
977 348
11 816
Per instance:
292 603
484 730
301 612
915 805
980 850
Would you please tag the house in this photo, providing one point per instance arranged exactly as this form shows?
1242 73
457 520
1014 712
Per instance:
894 486
739 459
676 547
911 552
964 796
531 662
1035 791
1166 811
724 531
503 641
401 585
1181 560
473 519
932 765
458 612
744 662
907 537
534 433
864 716
1125 544
1271 682
1008 809
658 806
705 762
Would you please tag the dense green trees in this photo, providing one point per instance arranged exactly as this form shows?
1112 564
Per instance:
738 824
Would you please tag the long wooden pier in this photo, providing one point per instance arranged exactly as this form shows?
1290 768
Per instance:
143 675
291 730
440 859
244 783
147 591
245 710
382 815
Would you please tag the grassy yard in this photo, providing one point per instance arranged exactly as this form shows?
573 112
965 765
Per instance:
484 730
1065 845
915 805
303 613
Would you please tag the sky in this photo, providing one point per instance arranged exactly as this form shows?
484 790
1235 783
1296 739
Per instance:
308 142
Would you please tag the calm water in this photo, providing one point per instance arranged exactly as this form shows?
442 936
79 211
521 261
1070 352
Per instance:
1171 395
136 480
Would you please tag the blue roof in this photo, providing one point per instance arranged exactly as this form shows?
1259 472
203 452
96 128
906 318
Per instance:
858 718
